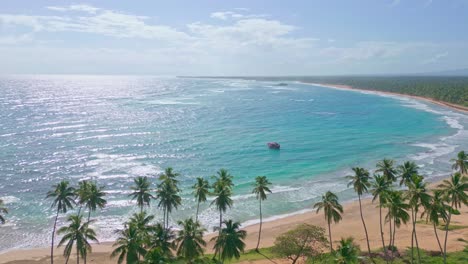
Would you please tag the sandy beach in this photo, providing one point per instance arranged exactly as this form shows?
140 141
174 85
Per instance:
427 99
351 225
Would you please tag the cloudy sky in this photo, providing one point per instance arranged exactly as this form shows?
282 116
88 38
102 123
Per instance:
244 37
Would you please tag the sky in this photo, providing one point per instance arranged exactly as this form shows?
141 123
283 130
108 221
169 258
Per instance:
243 37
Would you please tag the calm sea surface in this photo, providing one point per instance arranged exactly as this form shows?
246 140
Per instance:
111 129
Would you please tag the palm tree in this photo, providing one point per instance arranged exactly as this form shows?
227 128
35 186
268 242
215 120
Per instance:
190 240
454 191
141 192
360 183
79 233
380 188
224 178
200 190
332 209
387 168
82 193
170 175
142 222
162 238
129 245
434 211
95 198
397 211
461 162
63 195
229 243
167 194
417 196
3 210
261 188
347 252
223 199
407 170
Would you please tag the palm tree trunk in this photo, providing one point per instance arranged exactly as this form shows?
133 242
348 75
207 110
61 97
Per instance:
391 233
364 224
329 235
260 229
416 236
393 237
89 214
438 241
79 210
53 236
164 217
198 207
382 233
77 254
446 234
68 257
412 237
220 221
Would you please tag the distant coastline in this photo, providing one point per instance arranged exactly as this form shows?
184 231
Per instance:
461 108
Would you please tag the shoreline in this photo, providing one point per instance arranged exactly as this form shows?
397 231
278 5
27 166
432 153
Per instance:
351 225
456 107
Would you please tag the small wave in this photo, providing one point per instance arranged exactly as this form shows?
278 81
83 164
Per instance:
114 135
9 199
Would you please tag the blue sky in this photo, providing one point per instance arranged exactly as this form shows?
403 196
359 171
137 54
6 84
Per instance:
202 37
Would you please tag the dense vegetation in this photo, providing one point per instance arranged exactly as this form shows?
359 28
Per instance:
448 89
143 240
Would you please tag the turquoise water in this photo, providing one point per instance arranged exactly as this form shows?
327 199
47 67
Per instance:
112 129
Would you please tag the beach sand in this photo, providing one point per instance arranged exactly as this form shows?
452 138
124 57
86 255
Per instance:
427 99
351 225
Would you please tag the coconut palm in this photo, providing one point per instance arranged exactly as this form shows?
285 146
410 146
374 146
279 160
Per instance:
167 194
417 196
95 198
142 222
461 162
387 168
397 212
201 189
229 243
454 191
222 200
332 210
62 195
82 193
261 188
380 188
435 211
406 171
360 183
190 241
3 210
79 233
224 178
347 252
170 175
162 238
129 245
141 192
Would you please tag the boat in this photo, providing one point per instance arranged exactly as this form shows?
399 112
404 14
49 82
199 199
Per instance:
273 145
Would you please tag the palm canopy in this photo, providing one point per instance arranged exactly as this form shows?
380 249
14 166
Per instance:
360 180
141 191
201 189
380 188
79 233
189 240
397 208
142 222
167 194
461 162
261 187
347 252
170 175
416 193
436 209
82 192
331 206
63 196
406 171
129 245
223 198
229 243
455 189
387 168
224 179
3 210
162 238
95 198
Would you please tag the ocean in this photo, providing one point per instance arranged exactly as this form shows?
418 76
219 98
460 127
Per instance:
114 128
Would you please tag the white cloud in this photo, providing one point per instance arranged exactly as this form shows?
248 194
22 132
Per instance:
436 58
81 8
225 15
